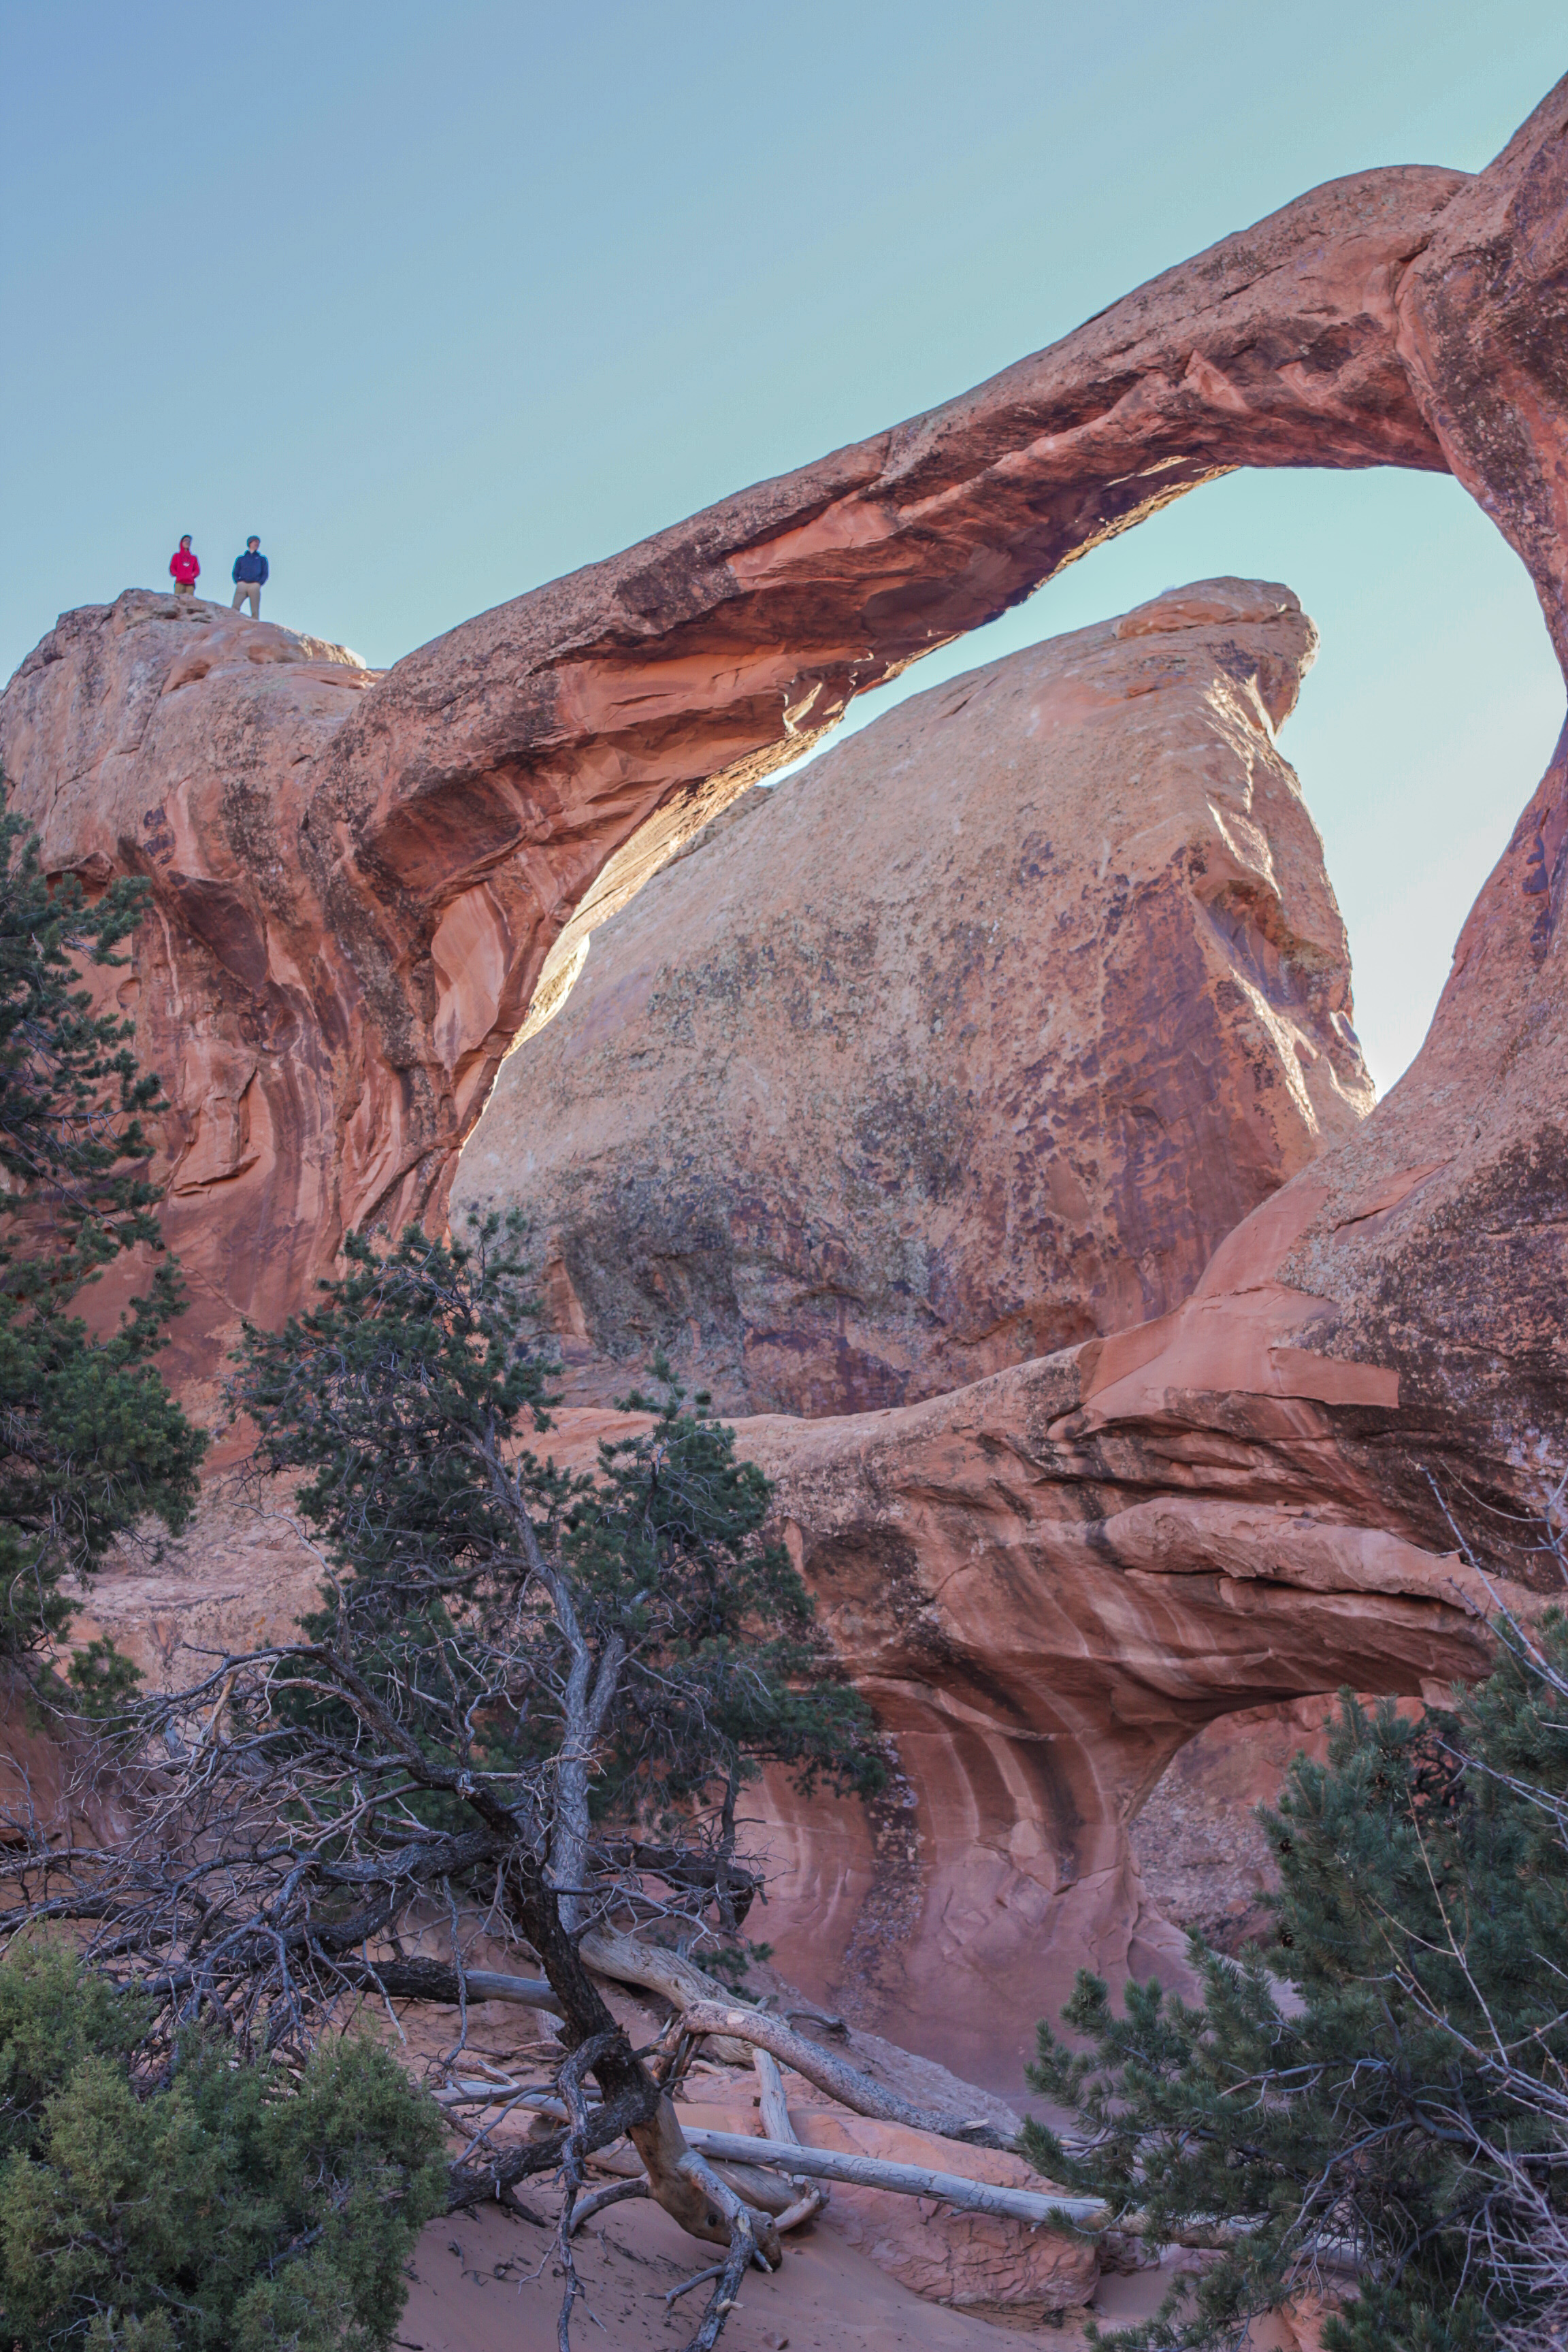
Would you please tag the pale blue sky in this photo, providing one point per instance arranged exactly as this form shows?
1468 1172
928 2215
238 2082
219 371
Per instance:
443 302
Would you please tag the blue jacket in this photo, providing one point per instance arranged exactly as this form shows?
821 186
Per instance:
250 567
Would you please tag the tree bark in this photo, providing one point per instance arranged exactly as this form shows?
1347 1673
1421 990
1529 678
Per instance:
810 2197
688 2190
842 2081
1087 2213
691 2193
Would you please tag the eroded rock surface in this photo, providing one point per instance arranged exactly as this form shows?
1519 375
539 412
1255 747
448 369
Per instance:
1202 1857
973 1040
359 884
1050 1577
1043 1616
1052 1574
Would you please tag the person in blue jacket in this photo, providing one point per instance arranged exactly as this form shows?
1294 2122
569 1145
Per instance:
249 578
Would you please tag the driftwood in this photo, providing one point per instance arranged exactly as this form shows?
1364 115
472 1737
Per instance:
810 2197
841 2080
429 1980
1085 2213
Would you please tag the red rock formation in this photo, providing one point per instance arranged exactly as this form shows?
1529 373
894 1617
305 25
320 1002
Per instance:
1202 1857
1041 1623
1254 1477
973 1040
1050 1577
357 891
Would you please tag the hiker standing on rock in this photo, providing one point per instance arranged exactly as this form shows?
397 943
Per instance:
249 578
184 567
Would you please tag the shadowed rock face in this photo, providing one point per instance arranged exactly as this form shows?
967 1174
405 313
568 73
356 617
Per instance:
1042 1617
358 890
1048 1579
973 1040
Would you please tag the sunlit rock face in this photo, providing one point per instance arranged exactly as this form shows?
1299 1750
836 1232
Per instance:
1047 1580
970 1041
361 882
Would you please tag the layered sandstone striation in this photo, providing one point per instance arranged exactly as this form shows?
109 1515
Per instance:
1254 1495
972 1040
1042 1617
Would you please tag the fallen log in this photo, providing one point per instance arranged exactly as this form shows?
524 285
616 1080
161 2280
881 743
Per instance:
777 2124
610 1954
680 1980
432 1981
841 2080
810 2197
739 2152
1088 2214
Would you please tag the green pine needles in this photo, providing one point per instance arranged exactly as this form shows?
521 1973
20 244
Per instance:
529 1703
211 2207
91 1439
1394 2128
400 1395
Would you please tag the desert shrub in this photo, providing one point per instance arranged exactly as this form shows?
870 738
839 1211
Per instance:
225 2205
1398 2129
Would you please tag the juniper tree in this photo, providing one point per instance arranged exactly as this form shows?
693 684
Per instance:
91 1439
200 2207
528 1709
1399 2126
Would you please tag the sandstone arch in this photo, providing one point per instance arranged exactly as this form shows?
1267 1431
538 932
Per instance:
359 880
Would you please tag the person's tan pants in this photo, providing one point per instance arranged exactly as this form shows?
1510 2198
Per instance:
184 588
243 588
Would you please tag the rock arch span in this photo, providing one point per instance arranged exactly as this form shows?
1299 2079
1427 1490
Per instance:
359 879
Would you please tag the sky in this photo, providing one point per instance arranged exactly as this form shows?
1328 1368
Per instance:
445 302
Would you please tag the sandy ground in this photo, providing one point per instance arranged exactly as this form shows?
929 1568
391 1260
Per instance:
826 2298
489 2280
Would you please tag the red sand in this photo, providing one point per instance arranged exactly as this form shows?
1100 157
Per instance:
826 2298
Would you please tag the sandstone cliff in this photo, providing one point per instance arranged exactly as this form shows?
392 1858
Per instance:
1048 1579
358 890
973 1040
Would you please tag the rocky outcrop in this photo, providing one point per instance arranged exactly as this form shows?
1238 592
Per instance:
360 883
1051 1576
1246 1498
973 1040
1042 1611
1203 1858
1055 1575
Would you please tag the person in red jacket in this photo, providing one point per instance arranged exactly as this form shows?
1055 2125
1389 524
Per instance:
184 567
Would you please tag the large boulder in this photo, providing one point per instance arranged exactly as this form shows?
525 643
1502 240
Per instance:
971 1041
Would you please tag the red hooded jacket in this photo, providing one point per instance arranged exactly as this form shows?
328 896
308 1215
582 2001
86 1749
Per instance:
184 567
